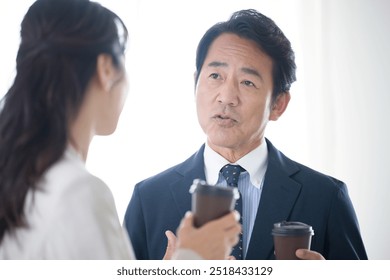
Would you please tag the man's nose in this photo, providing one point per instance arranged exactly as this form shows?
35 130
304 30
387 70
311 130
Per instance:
228 93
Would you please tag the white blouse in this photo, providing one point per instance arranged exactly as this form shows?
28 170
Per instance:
72 215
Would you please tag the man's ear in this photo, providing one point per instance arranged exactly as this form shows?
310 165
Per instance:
279 106
105 71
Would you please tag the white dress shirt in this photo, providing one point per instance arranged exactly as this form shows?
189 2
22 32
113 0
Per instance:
250 182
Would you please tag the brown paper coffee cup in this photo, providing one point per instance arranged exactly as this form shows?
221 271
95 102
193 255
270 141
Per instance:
211 202
289 237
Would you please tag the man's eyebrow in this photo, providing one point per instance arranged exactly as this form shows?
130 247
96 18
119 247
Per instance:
251 71
217 64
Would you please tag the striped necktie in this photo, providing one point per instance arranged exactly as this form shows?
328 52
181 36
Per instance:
231 173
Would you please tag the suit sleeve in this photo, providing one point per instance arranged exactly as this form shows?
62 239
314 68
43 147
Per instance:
134 223
344 238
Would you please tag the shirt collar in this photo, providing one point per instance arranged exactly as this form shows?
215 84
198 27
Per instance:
255 163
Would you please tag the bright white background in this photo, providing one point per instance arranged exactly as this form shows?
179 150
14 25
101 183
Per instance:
337 120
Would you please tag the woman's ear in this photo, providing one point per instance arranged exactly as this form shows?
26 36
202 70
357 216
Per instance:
279 106
105 71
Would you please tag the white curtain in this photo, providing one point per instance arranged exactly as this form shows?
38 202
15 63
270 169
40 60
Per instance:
346 89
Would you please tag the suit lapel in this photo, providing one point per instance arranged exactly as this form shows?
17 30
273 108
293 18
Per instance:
277 200
192 168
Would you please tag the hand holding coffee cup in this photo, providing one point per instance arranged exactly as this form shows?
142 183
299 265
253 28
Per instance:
289 237
211 202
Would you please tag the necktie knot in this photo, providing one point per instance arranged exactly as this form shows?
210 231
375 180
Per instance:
231 173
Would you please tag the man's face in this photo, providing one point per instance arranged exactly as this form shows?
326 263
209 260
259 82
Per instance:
233 95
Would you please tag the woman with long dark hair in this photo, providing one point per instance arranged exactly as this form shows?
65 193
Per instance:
70 85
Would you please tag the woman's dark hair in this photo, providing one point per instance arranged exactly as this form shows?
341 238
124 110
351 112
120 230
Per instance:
60 42
252 25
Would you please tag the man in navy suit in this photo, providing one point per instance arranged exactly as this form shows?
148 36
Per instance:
245 67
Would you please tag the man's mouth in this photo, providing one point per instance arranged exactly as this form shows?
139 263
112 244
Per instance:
224 120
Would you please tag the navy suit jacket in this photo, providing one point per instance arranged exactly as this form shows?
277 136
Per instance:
291 192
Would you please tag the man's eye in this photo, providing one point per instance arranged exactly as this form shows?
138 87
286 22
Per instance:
249 84
214 76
